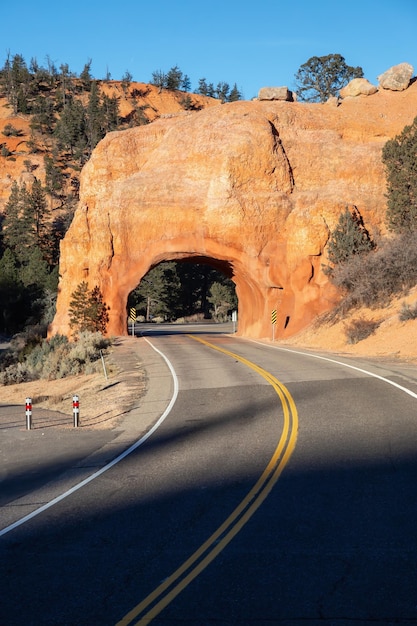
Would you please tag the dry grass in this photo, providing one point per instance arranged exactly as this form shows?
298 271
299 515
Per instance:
102 402
393 338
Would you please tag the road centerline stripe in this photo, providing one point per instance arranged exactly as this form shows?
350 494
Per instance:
172 586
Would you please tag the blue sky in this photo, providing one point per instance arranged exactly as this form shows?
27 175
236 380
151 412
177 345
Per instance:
253 43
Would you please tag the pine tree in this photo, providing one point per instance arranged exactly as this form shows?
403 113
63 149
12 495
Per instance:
195 279
66 82
349 238
15 228
10 228
37 216
158 291
98 311
5 77
17 80
202 87
126 80
54 178
110 113
186 83
52 72
234 94
206 89
39 75
85 76
94 119
9 273
26 220
78 310
174 78
35 271
399 156
43 119
87 310
13 304
71 129
222 91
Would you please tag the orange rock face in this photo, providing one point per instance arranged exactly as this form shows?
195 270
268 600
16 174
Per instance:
254 188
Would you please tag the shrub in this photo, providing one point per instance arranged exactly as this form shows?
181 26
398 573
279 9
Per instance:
4 150
374 278
408 312
10 131
14 374
54 358
359 329
186 102
85 352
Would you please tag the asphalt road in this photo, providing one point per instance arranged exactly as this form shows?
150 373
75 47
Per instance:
285 495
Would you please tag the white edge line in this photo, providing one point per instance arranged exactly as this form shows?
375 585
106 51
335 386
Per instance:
352 367
116 460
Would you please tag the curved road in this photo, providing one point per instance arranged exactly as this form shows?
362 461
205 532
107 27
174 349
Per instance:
279 489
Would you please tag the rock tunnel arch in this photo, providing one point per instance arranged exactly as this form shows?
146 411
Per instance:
124 275
251 300
226 184
189 297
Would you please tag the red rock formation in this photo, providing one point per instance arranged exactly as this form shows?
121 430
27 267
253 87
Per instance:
253 187
152 101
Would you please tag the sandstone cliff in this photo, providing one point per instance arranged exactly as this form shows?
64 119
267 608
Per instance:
251 187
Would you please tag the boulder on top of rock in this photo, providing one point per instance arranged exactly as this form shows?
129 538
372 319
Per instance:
358 87
397 77
276 93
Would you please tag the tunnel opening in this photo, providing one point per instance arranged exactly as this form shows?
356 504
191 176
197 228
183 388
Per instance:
185 289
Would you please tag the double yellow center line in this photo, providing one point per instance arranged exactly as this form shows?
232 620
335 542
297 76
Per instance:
163 595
